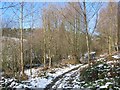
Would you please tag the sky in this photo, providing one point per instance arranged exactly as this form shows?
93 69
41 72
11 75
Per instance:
59 0
13 13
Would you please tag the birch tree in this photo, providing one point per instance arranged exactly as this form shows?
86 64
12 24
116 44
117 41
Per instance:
86 29
21 29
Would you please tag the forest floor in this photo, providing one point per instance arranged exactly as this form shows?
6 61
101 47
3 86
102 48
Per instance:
103 74
36 80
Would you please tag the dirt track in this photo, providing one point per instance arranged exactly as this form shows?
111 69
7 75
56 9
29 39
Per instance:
49 86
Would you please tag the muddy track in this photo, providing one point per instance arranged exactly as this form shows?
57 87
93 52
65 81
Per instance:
49 86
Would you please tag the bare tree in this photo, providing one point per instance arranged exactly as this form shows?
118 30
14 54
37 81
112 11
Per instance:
107 26
31 46
21 29
44 40
118 31
86 29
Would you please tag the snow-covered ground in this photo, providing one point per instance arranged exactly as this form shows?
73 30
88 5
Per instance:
35 81
116 56
58 71
69 80
73 80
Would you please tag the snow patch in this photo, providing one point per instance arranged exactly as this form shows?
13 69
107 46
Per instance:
116 56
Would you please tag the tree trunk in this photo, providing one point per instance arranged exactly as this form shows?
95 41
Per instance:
50 59
87 34
21 29
44 41
110 34
75 37
31 58
31 46
44 57
109 45
118 31
50 37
